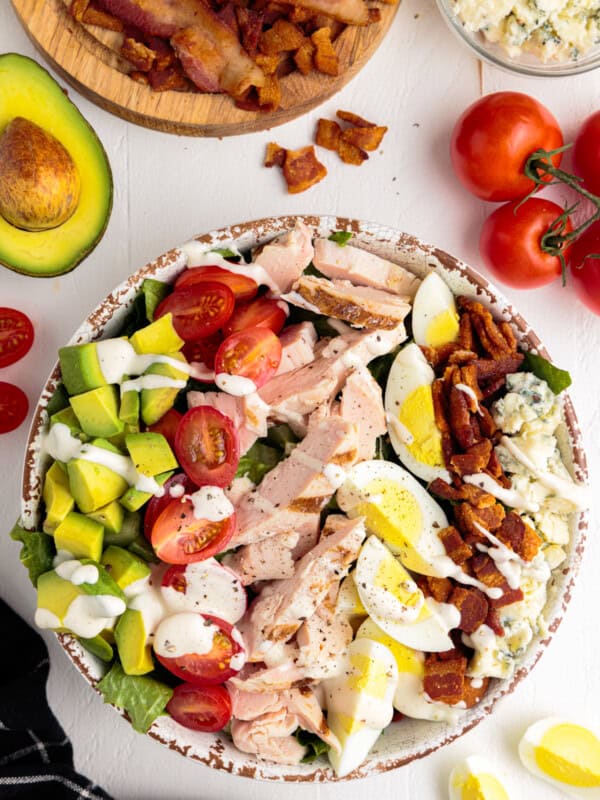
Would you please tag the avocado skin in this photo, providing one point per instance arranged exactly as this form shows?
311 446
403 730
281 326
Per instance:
57 251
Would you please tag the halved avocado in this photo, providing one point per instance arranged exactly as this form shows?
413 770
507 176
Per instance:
27 90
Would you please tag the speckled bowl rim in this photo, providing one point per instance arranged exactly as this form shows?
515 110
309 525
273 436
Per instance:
411 739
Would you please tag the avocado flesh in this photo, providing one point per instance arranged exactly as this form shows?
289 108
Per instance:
57 497
150 452
93 485
27 90
80 368
110 516
158 337
80 535
124 567
131 637
156 402
98 411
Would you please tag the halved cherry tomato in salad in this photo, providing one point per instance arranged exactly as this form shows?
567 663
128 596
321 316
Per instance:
14 406
156 505
179 537
264 312
201 708
204 350
212 667
207 447
167 425
242 286
585 270
16 335
198 310
586 153
253 354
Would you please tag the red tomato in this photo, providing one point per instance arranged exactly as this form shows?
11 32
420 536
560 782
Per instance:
510 243
585 271
242 286
16 335
156 505
198 310
167 425
260 313
204 350
494 137
254 353
208 668
13 407
178 537
586 153
201 708
207 446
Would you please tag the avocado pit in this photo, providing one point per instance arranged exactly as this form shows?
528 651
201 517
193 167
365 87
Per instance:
39 181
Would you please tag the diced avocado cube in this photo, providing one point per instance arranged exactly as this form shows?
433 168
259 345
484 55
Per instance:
159 337
57 497
98 411
80 535
132 524
156 402
106 445
131 636
154 292
124 567
133 499
129 409
110 517
150 453
80 368
58 400
94 485
99 647
67 417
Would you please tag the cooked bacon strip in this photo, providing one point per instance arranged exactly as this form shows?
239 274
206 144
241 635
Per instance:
353 12
138 54
465 332
458 550
250 23
489 369
473 607
472 694
158 17
282 36
509 336
441 420
438 588
519 536
474 460
444 679
460 419
488 573
466 491
93 15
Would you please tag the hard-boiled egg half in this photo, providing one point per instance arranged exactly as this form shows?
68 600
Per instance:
398 510
409 697
414 433
474 779
434 315
348 602
564 754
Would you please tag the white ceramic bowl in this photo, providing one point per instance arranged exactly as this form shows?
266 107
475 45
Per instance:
409 739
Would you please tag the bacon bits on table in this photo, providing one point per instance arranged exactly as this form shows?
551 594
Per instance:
351 142
301 168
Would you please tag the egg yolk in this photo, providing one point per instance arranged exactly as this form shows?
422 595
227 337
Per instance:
483 787
370 675
570 754
393 578
443 328
407 659
417 416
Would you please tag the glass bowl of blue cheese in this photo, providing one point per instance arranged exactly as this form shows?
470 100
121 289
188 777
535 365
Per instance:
530 37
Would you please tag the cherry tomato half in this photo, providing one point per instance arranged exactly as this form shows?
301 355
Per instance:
201 708
585 271
510 243
212 667
178 537
198 310
494 137
16 335
204 350
13 407
586 153
156 505
207 446
167 425
242 286
253 353
263 312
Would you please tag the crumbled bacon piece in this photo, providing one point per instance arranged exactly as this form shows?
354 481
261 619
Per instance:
138 54
365 138
350 153
301 168
269 95
444 679
328 134
275 155
473 607
283 36
519 536
493 621
489 369
474 460
487 571
303 58
439 588
509 596
473 694
250 23
91 14
458 550
78 8
169 79
325 57
465 491
460 419
465 332
354 119
438 356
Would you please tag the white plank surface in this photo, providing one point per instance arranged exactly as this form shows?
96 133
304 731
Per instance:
168 188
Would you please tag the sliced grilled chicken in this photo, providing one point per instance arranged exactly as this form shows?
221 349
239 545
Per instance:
362 404
286 257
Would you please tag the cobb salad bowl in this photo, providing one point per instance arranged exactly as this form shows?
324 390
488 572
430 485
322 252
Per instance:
409 739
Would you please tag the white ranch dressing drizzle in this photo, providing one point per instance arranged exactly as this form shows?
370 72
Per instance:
201 372
198 257
238 660
178 490
184 633
152 382
567 489
462 387
449 569
211 503
447 612
237 385
61 445
117 357
151 605
77 573
333 473
509 497
482 640
135 588
61 556
509 563
399 430
89 614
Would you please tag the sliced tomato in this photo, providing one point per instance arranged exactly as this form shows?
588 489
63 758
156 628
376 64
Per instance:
264 312
212 667
167 425
242 286
16 335
201 708
204 350
14 406
198 310
157 505
207 446
178 537
254 354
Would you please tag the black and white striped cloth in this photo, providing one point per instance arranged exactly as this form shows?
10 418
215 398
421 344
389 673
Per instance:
36 758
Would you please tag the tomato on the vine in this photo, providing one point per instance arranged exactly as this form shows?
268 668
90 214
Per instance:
586 153
585 270
511 243
493 139
201 708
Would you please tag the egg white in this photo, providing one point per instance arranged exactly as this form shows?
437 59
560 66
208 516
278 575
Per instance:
429 632
434 316
475 773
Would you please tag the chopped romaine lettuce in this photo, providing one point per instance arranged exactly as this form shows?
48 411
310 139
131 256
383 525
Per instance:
225 252
281 436
315 747
313 271
99 647
143 698
259 460
380 367
322 327
556 378
37 551
136 317
154 292
341 238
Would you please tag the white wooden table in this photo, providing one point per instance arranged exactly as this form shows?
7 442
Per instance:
168 188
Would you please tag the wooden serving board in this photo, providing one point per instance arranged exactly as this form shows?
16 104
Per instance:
86 57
